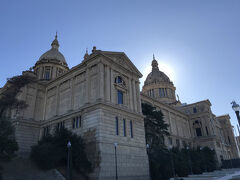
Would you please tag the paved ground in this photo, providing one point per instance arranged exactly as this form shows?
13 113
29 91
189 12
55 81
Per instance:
229 176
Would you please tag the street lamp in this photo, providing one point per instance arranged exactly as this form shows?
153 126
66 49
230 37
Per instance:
172 163
115 147
68 161
148 146
236 108
189 160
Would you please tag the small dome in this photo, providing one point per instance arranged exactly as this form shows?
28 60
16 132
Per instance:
156 76
53 54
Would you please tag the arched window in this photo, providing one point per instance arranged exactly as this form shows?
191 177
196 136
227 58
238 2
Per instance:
119 80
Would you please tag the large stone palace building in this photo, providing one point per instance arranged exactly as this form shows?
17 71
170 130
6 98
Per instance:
100 99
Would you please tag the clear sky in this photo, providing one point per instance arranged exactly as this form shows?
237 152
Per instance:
196 42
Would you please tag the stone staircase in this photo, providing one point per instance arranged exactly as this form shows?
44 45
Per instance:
24 169
215 175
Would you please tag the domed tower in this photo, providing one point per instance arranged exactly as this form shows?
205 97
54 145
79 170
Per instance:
51 64
158 85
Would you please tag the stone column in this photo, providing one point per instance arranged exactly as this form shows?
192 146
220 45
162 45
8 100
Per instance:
107 84
130 94
72 93
40 72
170 126
112 86
134 96
54 72
87 85
176 123
57 100
101 81
43 71
44 105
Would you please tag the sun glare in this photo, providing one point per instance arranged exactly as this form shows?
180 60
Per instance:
164 67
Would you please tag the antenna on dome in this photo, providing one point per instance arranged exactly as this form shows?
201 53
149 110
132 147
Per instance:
153 57
56 35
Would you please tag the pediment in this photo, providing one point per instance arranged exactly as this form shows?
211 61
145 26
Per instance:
122 59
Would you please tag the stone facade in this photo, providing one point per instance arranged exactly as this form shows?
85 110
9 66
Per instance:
100 99
189 124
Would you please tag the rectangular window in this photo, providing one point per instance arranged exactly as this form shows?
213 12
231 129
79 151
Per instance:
46 131
120 97
60 125
117 132
80 121
73 123
152 92
170 140
198 132
77 122
131 129
194 110
177 142
166 92
163 92
206 130
124 127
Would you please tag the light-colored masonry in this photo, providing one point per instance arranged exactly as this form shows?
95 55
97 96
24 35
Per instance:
100 99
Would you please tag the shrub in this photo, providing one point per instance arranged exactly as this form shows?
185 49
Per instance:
51 151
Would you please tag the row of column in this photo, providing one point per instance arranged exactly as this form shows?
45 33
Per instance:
132 95
105 90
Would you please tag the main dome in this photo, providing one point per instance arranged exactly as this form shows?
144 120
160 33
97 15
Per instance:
53 55
158 85
156 76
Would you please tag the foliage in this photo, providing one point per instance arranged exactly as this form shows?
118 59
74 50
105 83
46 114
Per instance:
8 144
165 163
8 98
155 127
51 151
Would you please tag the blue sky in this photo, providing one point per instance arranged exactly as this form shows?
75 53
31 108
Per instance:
197 43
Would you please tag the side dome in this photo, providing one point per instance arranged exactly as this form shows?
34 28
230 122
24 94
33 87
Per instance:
51 64
158 85
53 55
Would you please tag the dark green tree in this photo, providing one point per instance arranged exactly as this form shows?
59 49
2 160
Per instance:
9 100
8 97
155 130
8 144
51 150
155 126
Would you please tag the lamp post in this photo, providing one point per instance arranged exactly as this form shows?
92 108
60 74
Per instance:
189 160
149 172
236 108
115 147
172 163
68 161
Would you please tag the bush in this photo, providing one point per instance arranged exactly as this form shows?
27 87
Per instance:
51 151
8 144
164 163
